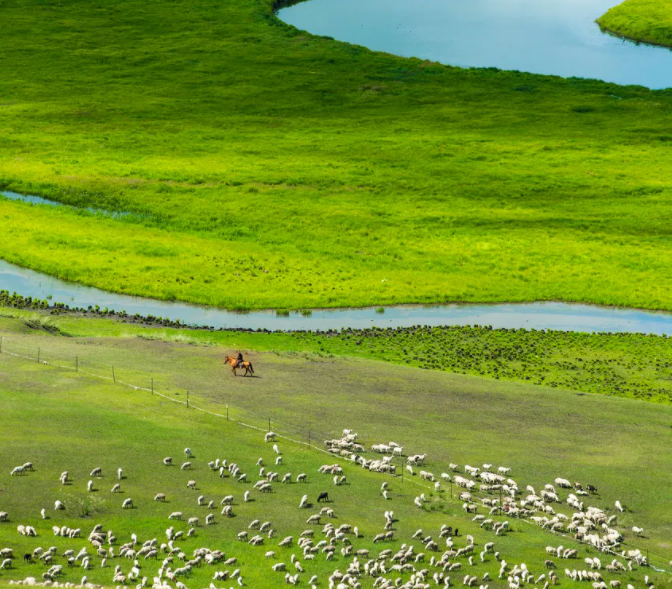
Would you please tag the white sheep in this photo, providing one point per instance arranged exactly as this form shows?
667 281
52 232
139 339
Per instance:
187 452
168 461
89 486
97 472
185 466
270 437
127 504
191 485
120 474
276 449
116 488
58 505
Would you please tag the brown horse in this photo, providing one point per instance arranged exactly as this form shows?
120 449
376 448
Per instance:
234 364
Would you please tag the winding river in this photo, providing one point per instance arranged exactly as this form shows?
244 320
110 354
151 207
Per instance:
557 37
560 316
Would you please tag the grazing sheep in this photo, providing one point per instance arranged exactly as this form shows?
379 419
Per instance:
116 488
619 506
168 461
59 506
4 516
193 522
191 485
120 474
97 472
17 470
270 437
209 519
89 486
276 449
187 452
185 466
228 500
637 531
127 504
175 515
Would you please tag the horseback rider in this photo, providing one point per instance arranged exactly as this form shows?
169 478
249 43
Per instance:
239 360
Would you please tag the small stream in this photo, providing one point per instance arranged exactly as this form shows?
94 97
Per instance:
557 316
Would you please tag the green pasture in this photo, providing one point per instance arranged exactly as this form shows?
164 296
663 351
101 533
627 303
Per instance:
266 167
619 445
647 21
625 365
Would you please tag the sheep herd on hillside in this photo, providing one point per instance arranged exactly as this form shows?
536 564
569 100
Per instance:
434 558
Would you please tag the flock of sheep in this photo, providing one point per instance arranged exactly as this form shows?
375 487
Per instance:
441 557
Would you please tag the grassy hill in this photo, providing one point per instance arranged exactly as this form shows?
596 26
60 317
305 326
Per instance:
266 167
648 21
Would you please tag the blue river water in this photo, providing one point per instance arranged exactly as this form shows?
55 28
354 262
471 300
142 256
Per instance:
558 37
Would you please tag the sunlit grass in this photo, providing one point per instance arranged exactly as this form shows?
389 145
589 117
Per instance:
269 168
649 21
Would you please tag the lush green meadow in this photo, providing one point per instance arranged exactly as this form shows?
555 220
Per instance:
648 21
270 168
540 432
64 421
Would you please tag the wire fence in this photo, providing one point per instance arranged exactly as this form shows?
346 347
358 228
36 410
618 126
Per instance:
307 437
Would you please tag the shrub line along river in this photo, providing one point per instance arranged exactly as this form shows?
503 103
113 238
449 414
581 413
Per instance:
543 315
556 37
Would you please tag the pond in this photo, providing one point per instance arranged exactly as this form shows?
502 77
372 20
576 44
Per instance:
558 37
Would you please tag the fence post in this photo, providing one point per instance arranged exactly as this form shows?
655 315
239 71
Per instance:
76 363
269 424
309 438
114 378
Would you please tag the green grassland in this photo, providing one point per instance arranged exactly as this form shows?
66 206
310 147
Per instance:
270 168
65 421
625 365
648 21
541 432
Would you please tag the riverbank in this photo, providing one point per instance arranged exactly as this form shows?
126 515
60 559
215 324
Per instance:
642 21
363 179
